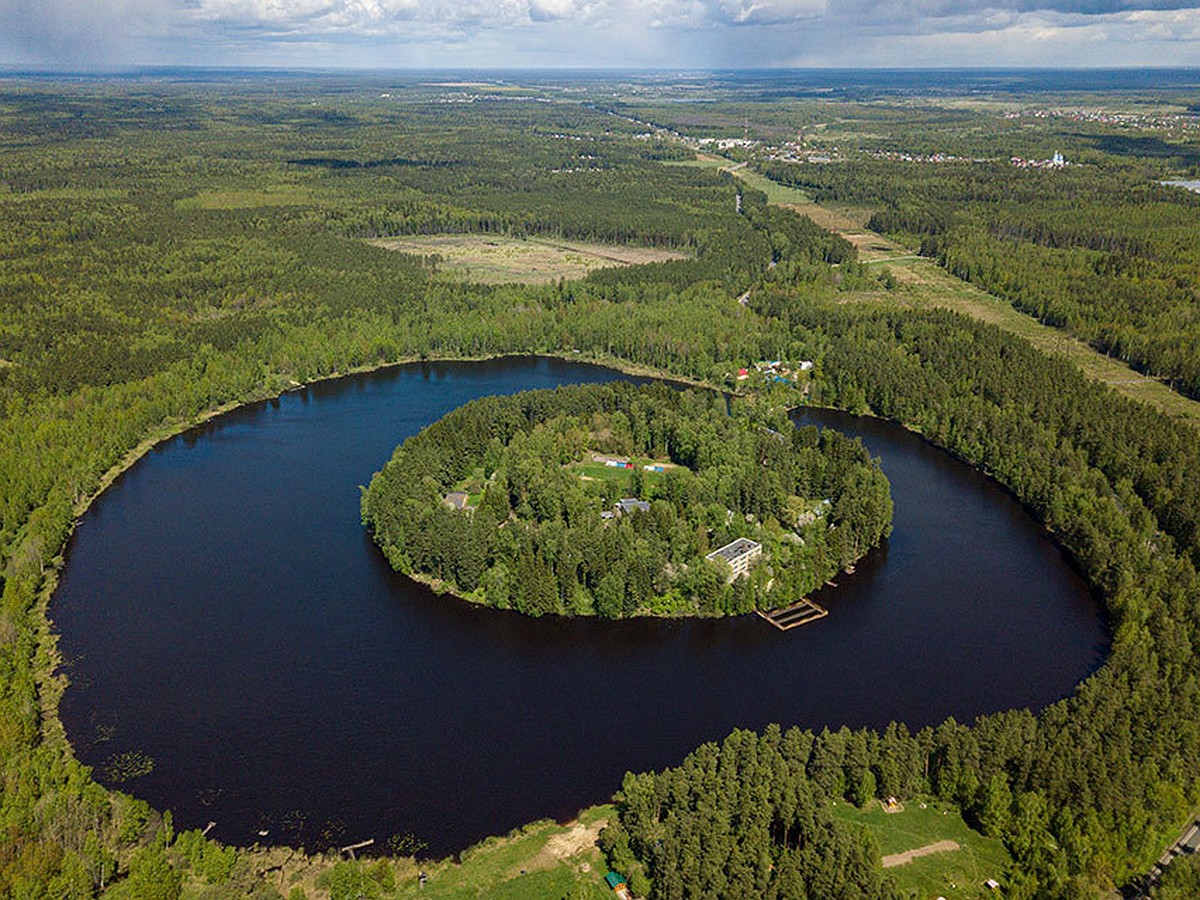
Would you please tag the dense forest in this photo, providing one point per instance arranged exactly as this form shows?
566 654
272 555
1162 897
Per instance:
169 250
744 819
543 535
1098 250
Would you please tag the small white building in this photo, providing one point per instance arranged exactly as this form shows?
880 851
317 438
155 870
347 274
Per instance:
738 554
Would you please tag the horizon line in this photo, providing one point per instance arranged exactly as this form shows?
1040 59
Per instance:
139 68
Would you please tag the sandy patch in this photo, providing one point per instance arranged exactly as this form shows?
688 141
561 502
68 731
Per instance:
562 847
899 859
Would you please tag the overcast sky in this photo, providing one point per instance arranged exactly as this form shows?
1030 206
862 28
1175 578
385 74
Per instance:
89 34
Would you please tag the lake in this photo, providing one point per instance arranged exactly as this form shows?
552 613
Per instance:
1193 186
224 614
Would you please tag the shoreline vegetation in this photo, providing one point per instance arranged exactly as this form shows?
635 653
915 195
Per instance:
532 502
134 318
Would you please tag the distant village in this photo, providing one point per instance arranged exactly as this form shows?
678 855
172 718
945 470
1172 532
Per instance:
1141 121
799 151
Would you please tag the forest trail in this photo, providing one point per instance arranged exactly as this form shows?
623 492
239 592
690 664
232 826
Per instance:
922 283
900 859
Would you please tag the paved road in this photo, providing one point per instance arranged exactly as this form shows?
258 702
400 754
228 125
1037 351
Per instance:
1188 842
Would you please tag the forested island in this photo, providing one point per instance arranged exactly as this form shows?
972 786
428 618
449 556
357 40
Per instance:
613 500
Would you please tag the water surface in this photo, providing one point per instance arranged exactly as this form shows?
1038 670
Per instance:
1193 186
223 612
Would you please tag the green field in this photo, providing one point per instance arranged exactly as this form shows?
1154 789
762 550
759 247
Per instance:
951 874
539 861
623 478
922 283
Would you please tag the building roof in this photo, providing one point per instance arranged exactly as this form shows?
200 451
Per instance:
614 880
457 499
735 550
630 504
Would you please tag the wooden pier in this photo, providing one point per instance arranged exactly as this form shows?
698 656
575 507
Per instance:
799 613
359 846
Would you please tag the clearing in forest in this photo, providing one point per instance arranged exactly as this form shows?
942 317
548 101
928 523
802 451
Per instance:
494 259
542 861
922 283
780 194
277 195
929 850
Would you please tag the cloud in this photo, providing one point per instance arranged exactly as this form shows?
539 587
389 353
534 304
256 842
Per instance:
549 10
78 32
765 12
315 16
599 32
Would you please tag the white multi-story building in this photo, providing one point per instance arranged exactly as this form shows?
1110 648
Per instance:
739 554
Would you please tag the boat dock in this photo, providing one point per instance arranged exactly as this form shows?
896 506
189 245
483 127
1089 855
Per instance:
800 613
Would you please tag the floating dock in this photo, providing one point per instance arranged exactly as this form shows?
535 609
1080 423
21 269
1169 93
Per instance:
800 613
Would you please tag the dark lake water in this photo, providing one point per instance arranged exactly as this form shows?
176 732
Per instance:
223 612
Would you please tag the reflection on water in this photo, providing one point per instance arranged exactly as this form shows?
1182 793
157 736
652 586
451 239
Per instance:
227 617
